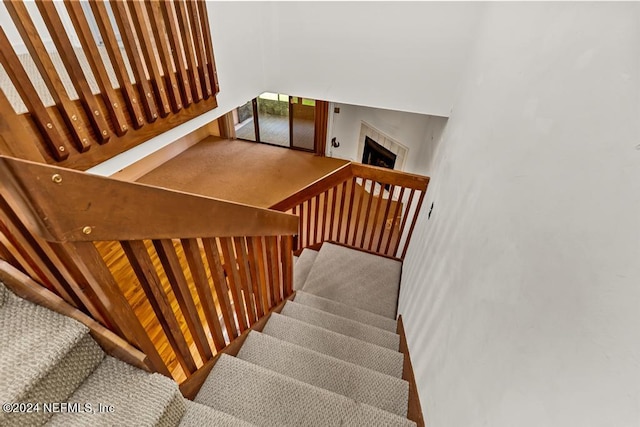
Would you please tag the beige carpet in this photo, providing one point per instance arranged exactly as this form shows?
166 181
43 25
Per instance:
245 172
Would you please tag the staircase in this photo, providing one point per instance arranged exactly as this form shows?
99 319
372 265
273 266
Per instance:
329 357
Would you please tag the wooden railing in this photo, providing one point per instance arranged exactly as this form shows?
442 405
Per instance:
166 45
366 207
203 270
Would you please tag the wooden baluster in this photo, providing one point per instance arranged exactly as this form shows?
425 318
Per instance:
147 99
294 211
359 211
316 213
171 265
38 111
92 53
256 255
404 221
138 17
274 268
325 205
349 226
332 218
196 30
187 45
159 30
413 223
199 276
245 278
173 32
287 265
375 217
204 18
308 212
386 217
15 143
341 210
98 278
117 61
7 255
219 283
396 212
367 213
233 277
35 46
265 274
254 278
142 265
74 69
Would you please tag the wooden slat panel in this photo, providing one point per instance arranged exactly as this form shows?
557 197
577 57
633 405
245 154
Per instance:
99 279
196 31
138 17
143 267
74 69
187 45
396 212
204 18
245 277
385 218
117 61
23 85
413 223
233 277
256 281
194 259
375 217
145 92
343 192
98 68
287 265
33 42
171 265
158 27
220 284
173 32
407 210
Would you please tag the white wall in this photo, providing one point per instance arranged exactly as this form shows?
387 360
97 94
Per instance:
398 55
520 295
418 132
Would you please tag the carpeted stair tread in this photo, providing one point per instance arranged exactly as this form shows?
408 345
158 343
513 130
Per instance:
346 311
138 398
3 294
347 379
365 281
198 415
266 398
342 325
333 344
302 267
44 357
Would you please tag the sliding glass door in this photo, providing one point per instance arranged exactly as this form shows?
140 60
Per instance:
278 119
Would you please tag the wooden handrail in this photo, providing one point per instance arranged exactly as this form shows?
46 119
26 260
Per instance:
65 205
362 206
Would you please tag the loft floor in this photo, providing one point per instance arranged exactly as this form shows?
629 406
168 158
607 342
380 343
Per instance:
245 172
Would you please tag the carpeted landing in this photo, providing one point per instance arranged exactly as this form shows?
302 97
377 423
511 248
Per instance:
330 358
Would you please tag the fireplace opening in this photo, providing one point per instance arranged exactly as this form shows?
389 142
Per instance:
376 155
